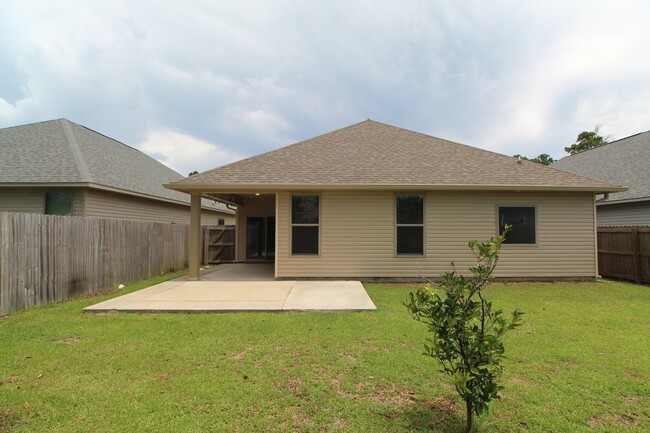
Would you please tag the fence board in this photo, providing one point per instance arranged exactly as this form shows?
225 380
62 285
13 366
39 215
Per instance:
218 244
624 252
46 258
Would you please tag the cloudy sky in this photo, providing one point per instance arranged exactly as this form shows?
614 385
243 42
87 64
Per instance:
197 84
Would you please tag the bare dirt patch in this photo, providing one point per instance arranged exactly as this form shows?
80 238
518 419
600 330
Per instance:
8 419
613 420
238 356
298 420
516 379
68 340
390 394
628 399
11 379
295 386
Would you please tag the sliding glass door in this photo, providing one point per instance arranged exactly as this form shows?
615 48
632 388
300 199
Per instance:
260 238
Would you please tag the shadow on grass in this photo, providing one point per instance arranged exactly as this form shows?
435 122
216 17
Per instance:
441 415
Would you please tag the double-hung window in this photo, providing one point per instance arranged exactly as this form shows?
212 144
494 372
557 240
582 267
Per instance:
521 219
305 220
409 227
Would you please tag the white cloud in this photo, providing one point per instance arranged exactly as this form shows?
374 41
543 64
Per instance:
516 77
185 153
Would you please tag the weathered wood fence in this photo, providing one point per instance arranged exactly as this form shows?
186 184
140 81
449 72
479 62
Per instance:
624 252
45 258
218 244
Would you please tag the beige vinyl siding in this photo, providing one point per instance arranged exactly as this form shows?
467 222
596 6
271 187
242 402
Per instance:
111 205
32 200
262 206
624 214
358 235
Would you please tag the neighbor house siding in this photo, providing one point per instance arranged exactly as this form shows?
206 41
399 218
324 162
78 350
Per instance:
262 206
32 200
357 235
111 205
624 214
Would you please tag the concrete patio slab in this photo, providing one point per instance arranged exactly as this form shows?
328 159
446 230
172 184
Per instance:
258 293
328 296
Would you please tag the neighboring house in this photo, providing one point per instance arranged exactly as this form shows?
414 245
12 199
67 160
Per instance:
376 201
61 168
621 162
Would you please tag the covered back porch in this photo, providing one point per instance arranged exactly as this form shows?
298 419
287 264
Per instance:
255 228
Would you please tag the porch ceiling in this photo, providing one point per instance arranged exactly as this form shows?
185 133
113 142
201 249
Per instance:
238 199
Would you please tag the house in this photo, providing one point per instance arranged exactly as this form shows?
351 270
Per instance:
376 201
621 162
61 168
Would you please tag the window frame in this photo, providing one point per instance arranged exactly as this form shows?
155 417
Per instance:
292 224
423 224
519 205
72 202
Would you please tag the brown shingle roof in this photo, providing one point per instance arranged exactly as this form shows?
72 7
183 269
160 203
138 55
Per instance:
375 155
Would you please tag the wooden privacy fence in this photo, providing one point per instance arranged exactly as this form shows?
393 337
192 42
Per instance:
218 244
45 258
624 252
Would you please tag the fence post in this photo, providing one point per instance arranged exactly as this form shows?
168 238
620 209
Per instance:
636 257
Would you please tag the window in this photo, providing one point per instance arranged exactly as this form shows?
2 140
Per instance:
522 220
305 218
409 210
221 221
58 203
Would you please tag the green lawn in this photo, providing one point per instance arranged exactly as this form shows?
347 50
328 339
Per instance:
580 362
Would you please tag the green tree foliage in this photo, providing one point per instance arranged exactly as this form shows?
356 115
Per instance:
465 329
587 140
544 158
192 173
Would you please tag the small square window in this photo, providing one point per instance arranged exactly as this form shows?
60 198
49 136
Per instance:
221 221
522 222
58 203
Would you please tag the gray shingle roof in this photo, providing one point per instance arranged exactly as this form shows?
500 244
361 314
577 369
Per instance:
60 151
373 154
623 162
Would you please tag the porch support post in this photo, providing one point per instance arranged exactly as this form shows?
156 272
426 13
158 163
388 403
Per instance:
195 239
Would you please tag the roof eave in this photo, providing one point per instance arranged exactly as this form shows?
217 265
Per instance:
269 188
624 201
100 187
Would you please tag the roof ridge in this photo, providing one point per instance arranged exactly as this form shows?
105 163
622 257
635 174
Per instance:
287 146
73 145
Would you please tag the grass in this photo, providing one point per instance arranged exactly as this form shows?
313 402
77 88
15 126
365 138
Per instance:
580 362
